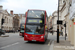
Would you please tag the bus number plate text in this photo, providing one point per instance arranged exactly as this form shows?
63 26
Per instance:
33 40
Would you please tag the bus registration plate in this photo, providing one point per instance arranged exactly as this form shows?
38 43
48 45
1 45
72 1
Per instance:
33 40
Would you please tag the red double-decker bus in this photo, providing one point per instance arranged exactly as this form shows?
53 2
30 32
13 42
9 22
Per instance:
36 26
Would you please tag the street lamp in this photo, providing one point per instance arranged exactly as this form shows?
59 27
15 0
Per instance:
58 22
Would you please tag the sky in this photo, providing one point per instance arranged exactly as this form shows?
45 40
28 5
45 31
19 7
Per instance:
21 6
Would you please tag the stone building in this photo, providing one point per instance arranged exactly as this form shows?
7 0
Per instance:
22 18
16 22
7 19
67 14
71 22
55 17
50 22
1 14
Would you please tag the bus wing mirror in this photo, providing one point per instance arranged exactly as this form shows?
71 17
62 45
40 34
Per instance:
45 27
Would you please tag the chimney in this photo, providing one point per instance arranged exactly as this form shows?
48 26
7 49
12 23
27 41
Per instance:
1 7
11 12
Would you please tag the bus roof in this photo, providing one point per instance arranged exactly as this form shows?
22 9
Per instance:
36 9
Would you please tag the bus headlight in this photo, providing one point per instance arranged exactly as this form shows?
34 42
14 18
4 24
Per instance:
42 36
26 35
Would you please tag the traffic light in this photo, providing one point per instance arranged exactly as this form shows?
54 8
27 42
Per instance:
59 21
64 25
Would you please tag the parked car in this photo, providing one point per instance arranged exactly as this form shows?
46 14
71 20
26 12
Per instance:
2 32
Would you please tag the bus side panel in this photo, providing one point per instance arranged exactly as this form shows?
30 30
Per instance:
46 32
44 27
25 25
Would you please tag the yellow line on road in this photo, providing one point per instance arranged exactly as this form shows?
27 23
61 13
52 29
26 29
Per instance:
49 43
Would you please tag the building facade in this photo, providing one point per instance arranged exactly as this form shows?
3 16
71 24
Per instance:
21 18
55 16
67 15
5 24
50 22
1 18
72 22
16 22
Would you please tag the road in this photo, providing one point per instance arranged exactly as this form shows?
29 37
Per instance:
16 42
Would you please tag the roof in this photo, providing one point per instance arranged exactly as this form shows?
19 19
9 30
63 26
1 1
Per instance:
36 9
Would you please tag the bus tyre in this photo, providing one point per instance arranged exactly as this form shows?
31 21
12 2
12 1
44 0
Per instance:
29 41
43 42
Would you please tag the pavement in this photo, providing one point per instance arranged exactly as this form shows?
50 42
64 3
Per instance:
63 44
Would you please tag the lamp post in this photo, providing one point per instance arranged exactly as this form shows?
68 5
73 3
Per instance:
58 25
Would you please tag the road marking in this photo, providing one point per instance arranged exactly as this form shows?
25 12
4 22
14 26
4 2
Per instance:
9 45
51 46
49 43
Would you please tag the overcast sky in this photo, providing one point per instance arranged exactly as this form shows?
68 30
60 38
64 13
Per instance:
21 6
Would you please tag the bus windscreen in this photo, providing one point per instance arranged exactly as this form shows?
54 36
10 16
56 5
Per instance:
36 14
34 29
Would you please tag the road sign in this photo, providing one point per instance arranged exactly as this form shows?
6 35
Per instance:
59 22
